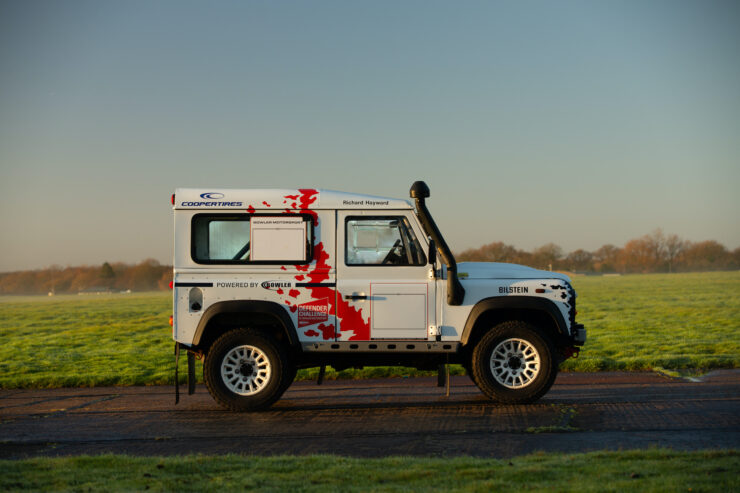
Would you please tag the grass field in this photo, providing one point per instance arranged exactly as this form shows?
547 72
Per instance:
675 321
643 471
640 322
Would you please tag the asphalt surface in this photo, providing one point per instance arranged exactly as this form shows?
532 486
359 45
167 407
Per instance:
375 418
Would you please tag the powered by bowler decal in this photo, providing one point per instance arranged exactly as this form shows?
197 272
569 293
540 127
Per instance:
276 285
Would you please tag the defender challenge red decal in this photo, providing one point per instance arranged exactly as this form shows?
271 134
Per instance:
313 312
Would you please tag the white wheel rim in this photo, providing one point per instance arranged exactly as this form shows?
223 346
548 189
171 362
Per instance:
245 370
515 363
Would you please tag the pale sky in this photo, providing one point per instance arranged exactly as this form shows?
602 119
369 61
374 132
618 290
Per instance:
575 122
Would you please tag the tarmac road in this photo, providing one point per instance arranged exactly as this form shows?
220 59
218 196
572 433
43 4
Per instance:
374 418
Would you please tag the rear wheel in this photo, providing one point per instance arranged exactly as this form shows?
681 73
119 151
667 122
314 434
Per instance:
246 370
514 363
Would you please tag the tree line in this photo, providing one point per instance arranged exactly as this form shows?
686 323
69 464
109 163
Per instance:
654 252
148 275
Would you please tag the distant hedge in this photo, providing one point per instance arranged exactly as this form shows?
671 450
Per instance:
148 275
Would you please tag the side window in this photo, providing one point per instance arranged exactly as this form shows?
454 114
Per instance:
246 238
381 241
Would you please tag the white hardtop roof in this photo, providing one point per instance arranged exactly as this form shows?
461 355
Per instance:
280 199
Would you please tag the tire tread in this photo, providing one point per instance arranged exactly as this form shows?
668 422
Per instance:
480 365
234 402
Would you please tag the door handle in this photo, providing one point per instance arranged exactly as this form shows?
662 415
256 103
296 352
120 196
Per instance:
355 297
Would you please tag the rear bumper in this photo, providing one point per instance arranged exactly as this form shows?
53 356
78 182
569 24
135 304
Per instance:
579 334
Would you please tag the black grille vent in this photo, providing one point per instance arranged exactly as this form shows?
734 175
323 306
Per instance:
572 302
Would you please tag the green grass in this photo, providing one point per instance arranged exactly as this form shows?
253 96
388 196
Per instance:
688 322
80 341
643 471
672 321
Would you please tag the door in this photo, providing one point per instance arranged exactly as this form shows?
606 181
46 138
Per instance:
384 287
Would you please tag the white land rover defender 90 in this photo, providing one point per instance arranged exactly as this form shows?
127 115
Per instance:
270 281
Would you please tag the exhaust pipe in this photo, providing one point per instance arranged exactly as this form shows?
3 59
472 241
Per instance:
455 292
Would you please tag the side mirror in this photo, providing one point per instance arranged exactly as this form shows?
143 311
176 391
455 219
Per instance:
432 252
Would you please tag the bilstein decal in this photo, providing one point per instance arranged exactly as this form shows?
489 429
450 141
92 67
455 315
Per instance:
513 289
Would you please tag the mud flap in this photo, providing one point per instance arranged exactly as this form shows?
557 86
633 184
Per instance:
443 375
191 373
177 380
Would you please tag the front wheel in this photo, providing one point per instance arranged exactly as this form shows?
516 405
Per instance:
246 370
514 363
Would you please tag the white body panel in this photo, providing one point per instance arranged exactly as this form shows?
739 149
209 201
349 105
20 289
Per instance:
498 270
386 301
310 308
280 199
399 300
481 289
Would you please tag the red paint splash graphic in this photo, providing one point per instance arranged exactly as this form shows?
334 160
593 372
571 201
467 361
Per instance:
321 272
266 204
280 291
303 202
327 331
250 209
308 197
349 316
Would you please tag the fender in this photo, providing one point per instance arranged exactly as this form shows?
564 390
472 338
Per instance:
246 307
518 303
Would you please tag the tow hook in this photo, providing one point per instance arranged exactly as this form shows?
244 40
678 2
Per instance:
572 352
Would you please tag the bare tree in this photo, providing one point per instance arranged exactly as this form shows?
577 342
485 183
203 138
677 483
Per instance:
656 244
492 252
606 258
546 255
706 255
637 255
674 247
580 260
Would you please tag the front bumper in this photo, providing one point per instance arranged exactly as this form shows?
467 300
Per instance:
579 334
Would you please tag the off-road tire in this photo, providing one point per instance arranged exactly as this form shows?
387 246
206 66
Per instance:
289 377
505 386
468 366
273 362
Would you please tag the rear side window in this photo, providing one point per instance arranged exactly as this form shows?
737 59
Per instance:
252 239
